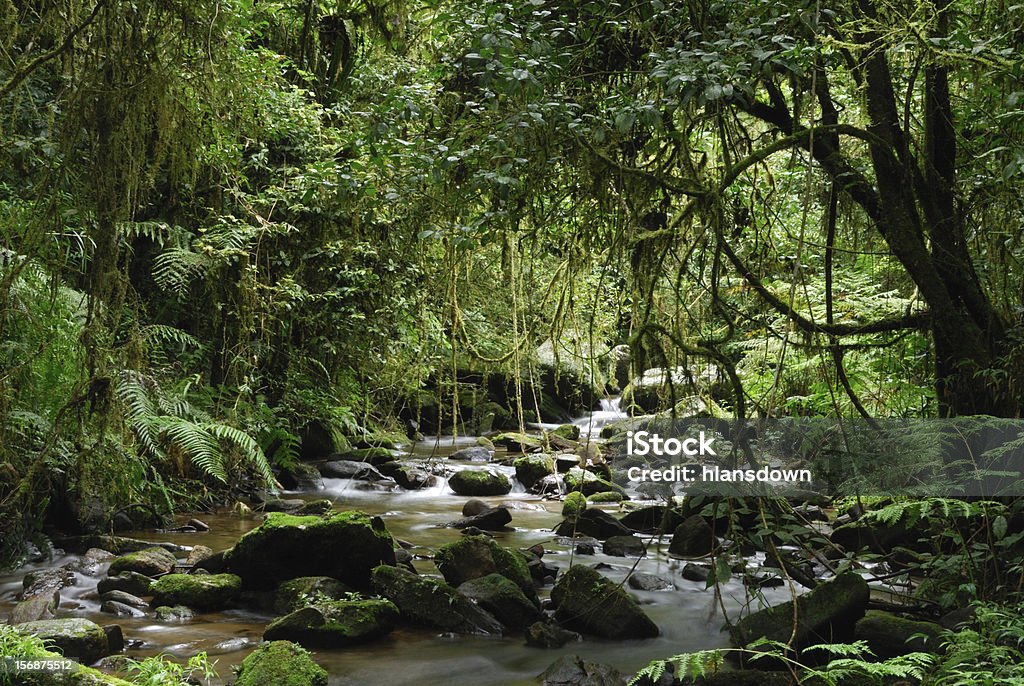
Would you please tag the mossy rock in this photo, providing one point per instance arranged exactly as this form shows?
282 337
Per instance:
574 504
72 637
569 432
472 557
198 591
589 603
588 483
281 663
150 562
76 676
593 522
479 482
431 602
374 456
177 613
297 593
335 623
502 598
343 545
607 497
518 442
889 635
532 468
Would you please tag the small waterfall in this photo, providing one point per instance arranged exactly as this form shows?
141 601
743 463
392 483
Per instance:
609 411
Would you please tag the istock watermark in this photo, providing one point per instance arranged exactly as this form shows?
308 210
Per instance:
15 666
642 443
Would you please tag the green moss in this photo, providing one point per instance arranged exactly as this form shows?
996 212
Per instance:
150 561
532 468
607 497
333 624
472 557
588 483
280 663
374 456
199 591
479 482
574 505
294 594
570 432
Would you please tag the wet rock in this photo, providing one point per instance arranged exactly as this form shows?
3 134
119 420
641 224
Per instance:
375 456
178 613
46 582
115 638
335 623
431 602
198 591
350 469
296 593
607 497
518 442
198 554
281 663
573 670
74 637
491 519
655 490
653 519
198 524
119 545
569 432
408 477
474 506
300 476
876 536
475 453
117 609
551 484
342 545
588 483
124 598
566 461
545 635
589 603
90 563
595 523
129 582
574 504
693 538
530 469
151 562
696 572
214 564
586 547
825 615
503 599
479 482
275 504
889 635
40 606
473 557
625 546
642 581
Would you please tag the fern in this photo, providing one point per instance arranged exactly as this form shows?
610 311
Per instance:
687 666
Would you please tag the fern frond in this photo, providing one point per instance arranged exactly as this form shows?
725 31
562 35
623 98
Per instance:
197 443
251 450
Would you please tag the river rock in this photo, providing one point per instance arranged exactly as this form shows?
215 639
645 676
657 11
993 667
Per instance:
335 623
625 546
530 469
569 432
198 554
573 670
696 572
407 476
43 605
475 453
151 562
46 581
653 519
342 545
198 591
125 598
889 635
177 613
117 609
589 603
73 637
281 663
297 593
129 582
119 545
300 476
374 455
431 602
566 461
479 482
518 442
472 557
642 581
503 599
588 483
825 615
545 635
350 469
574 504
474 506
693 538
491 519
593 522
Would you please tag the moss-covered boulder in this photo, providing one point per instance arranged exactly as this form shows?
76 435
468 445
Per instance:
589 603
532 468
280 663
607 497
294 594
694 537
175 614
472 557
889 635
588 483
77 675
431 602
150 562
72 637
342 545
198 591
335 623
479 482
573 670
574 504
518 442
569 432
592 522
503 599
825 615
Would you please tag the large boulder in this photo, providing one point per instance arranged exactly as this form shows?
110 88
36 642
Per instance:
549 635
518 442
351 469
479 482
343 545
589 603
593 522
281 663
530 469
474 453
151 562
301 476
408 476
334 623
129 582
503 599
693 538
489 519
473 557
198 591
889 635
297 593
652 519
573 670
625 546
825 615
74 637
431 602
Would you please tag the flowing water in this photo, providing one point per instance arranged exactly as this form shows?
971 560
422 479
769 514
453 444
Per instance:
689 617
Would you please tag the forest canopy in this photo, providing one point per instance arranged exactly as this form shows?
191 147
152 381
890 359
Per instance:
225 224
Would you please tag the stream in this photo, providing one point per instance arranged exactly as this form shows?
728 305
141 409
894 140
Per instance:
689 617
